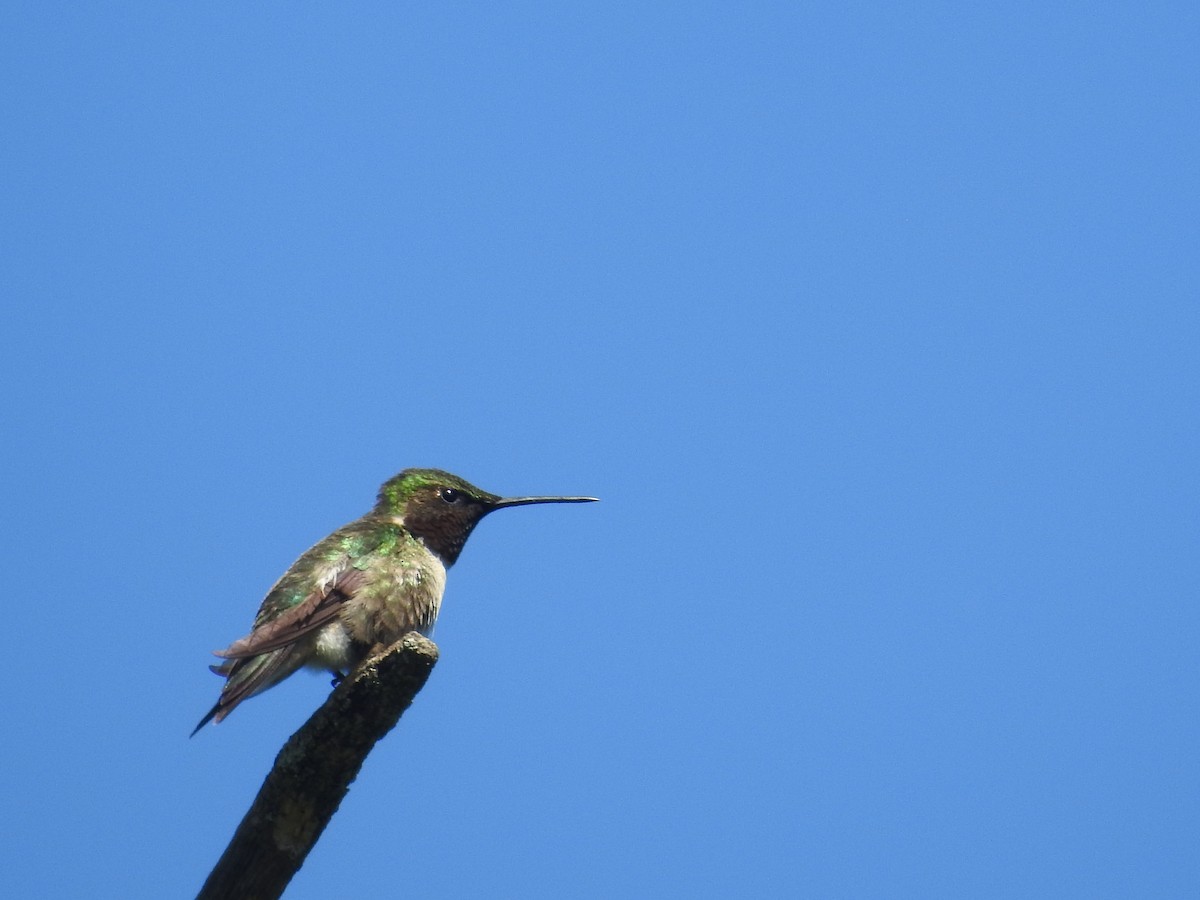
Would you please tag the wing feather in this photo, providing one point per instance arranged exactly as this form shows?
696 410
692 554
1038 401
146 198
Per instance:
314 612
270 652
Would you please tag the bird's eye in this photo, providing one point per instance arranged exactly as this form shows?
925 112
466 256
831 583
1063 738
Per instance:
450 495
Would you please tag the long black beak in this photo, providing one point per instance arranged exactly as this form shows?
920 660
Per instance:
525 501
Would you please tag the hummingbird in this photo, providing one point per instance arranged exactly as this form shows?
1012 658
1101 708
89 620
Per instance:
363 587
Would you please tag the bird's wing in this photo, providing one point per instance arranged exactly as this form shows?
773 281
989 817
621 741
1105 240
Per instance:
316 610
269 654
292 611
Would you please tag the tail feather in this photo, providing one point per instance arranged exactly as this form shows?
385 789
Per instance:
208 717
249 676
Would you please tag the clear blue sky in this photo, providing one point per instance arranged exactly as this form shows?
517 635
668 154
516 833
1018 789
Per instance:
875 326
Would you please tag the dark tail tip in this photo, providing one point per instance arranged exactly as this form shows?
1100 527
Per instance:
208 718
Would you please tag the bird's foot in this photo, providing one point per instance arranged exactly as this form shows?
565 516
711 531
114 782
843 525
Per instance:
338 678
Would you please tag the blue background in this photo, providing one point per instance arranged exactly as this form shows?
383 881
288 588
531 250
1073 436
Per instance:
874 326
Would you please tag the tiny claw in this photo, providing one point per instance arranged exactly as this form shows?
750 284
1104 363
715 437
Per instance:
338 678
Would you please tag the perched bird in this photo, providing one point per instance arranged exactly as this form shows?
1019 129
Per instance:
366 585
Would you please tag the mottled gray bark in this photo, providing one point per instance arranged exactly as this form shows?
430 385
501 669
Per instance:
313 771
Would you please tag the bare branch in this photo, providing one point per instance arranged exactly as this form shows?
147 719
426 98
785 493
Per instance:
313 771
